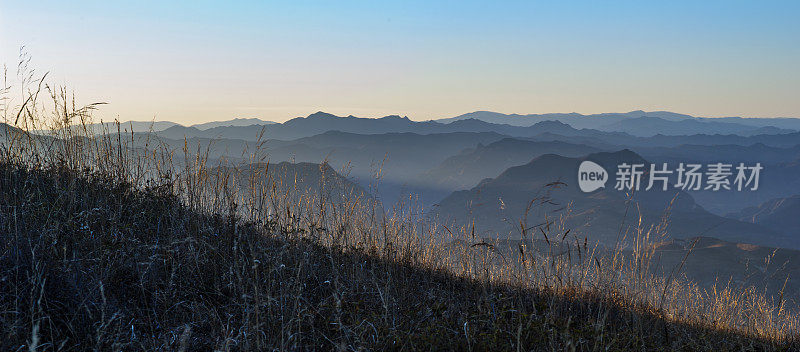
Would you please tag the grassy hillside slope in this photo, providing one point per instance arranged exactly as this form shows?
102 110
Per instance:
89 262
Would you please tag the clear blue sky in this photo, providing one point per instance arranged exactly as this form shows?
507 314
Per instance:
199 61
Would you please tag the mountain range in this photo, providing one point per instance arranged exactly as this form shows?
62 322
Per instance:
544 193
598 121
471 164
606 128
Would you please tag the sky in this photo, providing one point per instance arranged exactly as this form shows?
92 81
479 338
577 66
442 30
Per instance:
199 61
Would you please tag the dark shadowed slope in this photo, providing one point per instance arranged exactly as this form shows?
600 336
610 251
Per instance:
781 215
96 265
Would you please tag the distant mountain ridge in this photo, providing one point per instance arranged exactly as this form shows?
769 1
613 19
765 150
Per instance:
598 121
636 123
234 122
126 127
159 126
591 121
658 128
666 130
321 122
647 126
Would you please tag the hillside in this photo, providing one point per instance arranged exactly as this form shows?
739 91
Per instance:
711 263
140 242
399 176
91 263
780 214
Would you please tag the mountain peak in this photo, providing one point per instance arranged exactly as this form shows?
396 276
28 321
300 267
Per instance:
321 115
617 157
395 117
551 123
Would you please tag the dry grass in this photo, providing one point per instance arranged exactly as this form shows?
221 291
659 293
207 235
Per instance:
108 247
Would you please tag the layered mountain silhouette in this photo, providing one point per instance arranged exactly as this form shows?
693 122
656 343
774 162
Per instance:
544 193
471 163
759 152
127 127
230 123
648 126
598 121
613 129
390 164
465 170
573 119
780 176
312 139
322 122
